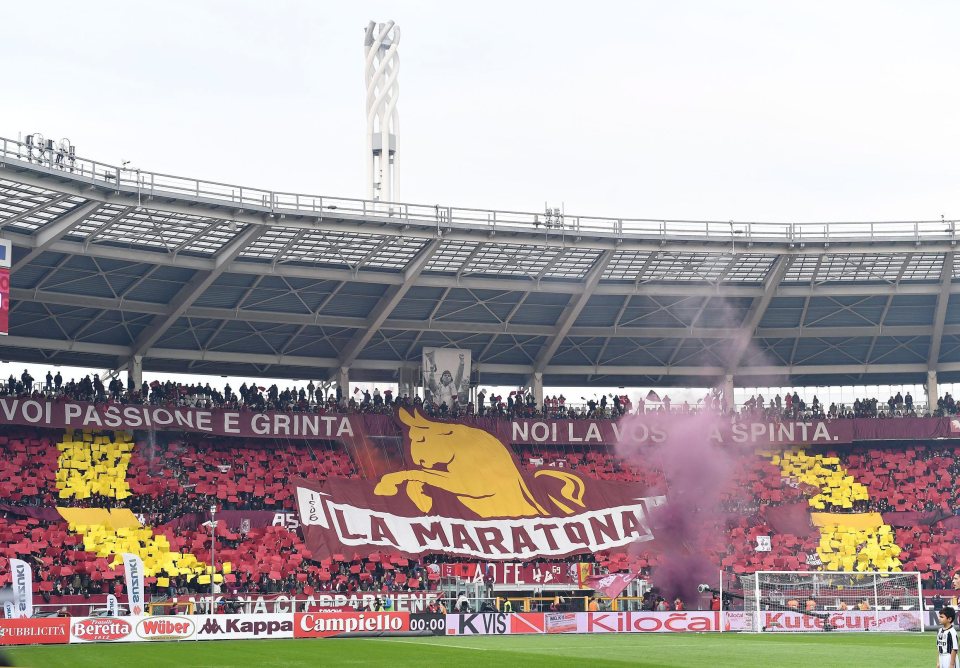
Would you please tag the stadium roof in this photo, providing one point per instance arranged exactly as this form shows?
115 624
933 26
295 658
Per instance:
203 277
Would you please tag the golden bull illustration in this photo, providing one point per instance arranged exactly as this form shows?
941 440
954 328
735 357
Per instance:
477 468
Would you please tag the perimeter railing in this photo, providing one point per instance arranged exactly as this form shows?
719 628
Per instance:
147 183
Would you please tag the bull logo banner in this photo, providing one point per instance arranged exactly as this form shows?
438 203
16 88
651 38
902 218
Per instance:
133 573
446 376
464 493
21 578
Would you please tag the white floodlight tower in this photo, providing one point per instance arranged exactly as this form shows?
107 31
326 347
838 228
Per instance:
381 67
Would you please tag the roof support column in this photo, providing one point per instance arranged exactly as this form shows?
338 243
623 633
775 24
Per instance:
572 311
933 392
135 372
748 327
536 382
940 314
343 384
729 404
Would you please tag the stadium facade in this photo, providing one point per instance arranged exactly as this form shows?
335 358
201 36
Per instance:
119 268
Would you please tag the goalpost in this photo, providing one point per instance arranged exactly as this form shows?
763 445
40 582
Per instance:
832 601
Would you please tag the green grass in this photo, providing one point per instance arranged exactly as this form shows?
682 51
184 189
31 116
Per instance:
807 650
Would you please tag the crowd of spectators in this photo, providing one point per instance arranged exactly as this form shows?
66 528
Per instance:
520 403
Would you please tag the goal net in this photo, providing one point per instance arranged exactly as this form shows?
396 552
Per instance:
832 601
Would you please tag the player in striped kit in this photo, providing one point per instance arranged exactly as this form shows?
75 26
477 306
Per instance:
947 640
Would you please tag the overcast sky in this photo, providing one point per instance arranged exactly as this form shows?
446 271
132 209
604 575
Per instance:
699 110
707 110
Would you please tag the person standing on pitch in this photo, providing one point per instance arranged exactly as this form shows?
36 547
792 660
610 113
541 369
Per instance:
947 639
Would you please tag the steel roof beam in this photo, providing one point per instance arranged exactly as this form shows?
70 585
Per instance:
372 224
940 314
572 311
387 303
55 230
680 333
32 210
754 315
519 369
165 258
192 290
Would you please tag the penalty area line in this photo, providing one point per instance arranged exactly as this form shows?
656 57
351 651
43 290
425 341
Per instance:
434 644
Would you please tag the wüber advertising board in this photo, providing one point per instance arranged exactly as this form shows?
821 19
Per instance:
463 493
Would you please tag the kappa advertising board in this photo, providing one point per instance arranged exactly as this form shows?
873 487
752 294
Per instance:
29 631
244 627
350 624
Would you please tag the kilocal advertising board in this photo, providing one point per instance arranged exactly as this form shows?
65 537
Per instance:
35 631
648 622
583 622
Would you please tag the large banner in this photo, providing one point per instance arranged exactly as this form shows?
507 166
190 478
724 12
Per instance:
515 573
467 496
398 601
638 430
133 574
611 585
446 376
21 578
219 422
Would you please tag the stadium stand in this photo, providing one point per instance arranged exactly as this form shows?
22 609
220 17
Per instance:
169 481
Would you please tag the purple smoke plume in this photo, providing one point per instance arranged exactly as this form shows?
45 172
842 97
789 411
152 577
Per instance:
696 468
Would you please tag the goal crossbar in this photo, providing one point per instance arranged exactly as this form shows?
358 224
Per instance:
832 600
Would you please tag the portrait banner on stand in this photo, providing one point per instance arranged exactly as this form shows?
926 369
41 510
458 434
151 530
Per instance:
446 376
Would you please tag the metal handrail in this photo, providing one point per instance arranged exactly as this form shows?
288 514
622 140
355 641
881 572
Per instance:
148 183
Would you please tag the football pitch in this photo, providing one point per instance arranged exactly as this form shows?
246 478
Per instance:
817 650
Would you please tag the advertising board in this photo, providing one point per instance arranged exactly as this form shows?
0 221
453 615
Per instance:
30 631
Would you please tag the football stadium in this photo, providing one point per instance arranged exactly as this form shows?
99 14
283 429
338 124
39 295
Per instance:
311 429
